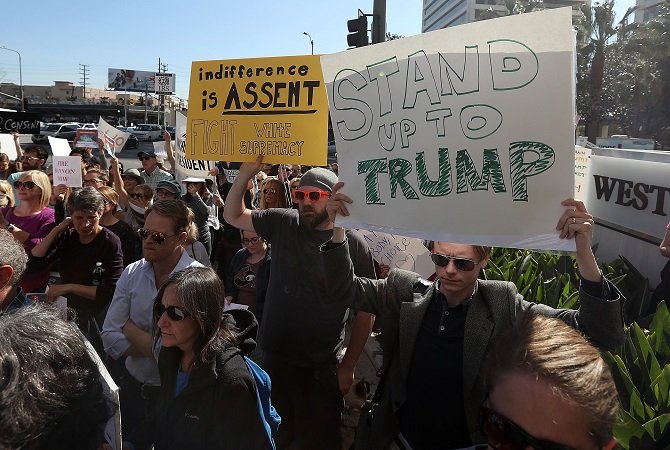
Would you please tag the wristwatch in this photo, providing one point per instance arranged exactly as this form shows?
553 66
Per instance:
10 227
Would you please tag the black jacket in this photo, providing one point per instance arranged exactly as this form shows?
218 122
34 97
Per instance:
261 281
218 408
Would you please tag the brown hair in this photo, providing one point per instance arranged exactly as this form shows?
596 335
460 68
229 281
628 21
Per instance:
481 250
550 349
181 215
110 194
102 174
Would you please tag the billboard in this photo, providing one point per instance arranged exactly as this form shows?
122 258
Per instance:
140 81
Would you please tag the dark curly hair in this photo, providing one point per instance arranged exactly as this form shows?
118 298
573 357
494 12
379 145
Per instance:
51 393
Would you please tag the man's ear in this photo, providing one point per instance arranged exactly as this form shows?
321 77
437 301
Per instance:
6 273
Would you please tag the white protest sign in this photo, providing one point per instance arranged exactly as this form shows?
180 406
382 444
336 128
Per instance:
198 168
159 150
464 134
582 159
7 146
59 147
67 170
399 252
108 133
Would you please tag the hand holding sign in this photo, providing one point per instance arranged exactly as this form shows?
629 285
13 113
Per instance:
577 223
337 203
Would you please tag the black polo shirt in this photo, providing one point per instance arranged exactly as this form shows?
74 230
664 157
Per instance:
433 416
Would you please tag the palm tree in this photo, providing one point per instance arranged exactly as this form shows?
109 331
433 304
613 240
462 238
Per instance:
599 26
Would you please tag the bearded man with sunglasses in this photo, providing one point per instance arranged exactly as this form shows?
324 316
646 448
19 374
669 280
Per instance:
302 327
436 335
127 328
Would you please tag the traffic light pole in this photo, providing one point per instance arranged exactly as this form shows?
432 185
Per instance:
379 21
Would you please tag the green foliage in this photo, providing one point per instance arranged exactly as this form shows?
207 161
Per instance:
641 371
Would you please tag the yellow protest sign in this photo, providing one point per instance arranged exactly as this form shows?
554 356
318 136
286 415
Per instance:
241 108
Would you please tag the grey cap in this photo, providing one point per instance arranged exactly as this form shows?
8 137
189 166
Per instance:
319 177
170 185
134 173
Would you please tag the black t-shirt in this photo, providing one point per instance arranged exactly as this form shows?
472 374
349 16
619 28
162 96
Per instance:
302 324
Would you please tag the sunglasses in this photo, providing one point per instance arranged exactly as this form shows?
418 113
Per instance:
269 191
253 240
156 236
503 434
462 264
137 195
144 158
314 196
92 181
175 313
24 185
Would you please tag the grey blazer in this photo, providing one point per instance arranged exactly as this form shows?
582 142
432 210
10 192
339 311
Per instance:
400 302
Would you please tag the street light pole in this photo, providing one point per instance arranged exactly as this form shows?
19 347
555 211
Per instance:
310 40
20 72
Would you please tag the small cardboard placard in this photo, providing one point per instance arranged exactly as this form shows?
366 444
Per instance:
67 171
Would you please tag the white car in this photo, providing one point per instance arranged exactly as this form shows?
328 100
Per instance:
90 126
147 132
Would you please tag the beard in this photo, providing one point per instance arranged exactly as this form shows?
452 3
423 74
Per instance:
312 219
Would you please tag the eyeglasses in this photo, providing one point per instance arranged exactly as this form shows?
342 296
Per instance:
24 185
29 158
93 181
462 264
174 312
269 191
253 240
137 195
503 434
144 158
314 196
156 236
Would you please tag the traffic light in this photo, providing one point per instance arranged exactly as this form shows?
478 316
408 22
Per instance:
358 36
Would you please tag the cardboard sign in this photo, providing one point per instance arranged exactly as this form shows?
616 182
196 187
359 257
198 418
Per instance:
67 170
111 135
582 160
464 134
59 147
243 108
7 146
186 167
399 252
24 123
87 138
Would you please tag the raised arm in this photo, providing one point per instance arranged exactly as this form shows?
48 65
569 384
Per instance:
235 212
169 150
118 182
577 223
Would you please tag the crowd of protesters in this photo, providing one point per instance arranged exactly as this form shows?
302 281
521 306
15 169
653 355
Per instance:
170 280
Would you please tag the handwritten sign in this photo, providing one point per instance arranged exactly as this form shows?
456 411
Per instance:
582 158
243 108
464 134
7 146
59 147
67 170
112 137
87 138
186 167
399 252
24 123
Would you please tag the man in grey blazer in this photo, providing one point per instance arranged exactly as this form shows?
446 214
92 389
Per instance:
435 335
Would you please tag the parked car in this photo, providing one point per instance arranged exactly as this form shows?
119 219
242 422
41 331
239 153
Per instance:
90 126
172 131
148 132
132 142
54 129
67 131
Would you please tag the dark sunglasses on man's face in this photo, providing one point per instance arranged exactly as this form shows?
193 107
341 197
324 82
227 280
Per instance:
462 264
156 236
503 434
314 196
174 312
24 185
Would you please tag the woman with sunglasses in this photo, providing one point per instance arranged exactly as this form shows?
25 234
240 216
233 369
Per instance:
273 194
547 388
432 387
30 221
208 396
78 244
249 273
130 242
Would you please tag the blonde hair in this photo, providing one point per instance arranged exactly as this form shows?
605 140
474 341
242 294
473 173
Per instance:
41 180
8 191
273 182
